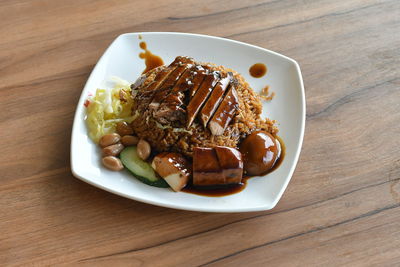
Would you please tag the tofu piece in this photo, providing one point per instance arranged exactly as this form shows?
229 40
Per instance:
173 168
231 163
217 166
206 168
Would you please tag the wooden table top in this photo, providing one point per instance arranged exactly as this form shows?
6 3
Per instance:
342 206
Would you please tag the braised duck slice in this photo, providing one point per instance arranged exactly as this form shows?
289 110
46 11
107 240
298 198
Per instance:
198 76
162 75
191 79
171 109
201 96
225 112
138 82
145 94
217 166
214 100
170 81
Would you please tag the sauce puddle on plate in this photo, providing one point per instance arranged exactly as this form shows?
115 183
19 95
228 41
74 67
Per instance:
258 70
152 61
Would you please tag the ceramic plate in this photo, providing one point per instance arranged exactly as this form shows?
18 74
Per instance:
288 108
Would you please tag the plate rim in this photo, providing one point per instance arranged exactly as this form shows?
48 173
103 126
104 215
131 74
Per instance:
179 207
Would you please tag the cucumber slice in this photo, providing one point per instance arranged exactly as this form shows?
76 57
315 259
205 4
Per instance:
140 168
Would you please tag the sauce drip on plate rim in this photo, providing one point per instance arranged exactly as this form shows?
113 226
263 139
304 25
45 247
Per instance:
152 61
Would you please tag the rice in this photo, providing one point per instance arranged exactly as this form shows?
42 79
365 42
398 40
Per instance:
180 139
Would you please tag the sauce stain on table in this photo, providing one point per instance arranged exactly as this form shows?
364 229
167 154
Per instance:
258 70
152 61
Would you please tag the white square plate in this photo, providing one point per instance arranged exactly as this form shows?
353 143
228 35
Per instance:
288 108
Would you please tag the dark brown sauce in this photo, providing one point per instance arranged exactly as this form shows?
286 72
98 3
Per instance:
258 70
152 61
216 191
220 191
143 45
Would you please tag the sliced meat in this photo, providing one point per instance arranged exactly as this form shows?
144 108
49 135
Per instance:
171 113
183 91
198 77
182 65
171 109
214 100
231 163
161 76
201 96
146 94
138 82
158 81
217 166
225 112
184 83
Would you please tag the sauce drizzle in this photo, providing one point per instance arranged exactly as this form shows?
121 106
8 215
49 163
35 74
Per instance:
152 61
258 70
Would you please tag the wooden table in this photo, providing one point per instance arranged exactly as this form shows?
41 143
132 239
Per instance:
342 206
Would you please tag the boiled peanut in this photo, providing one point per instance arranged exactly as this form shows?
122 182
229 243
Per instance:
109 139
124 128
112 163
129 140
143 149
112 150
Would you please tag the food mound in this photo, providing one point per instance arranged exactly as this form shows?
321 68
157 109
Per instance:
188 124
190 104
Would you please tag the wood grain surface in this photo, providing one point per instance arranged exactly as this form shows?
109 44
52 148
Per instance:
342 207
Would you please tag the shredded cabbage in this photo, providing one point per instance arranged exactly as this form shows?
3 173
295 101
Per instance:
108 107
